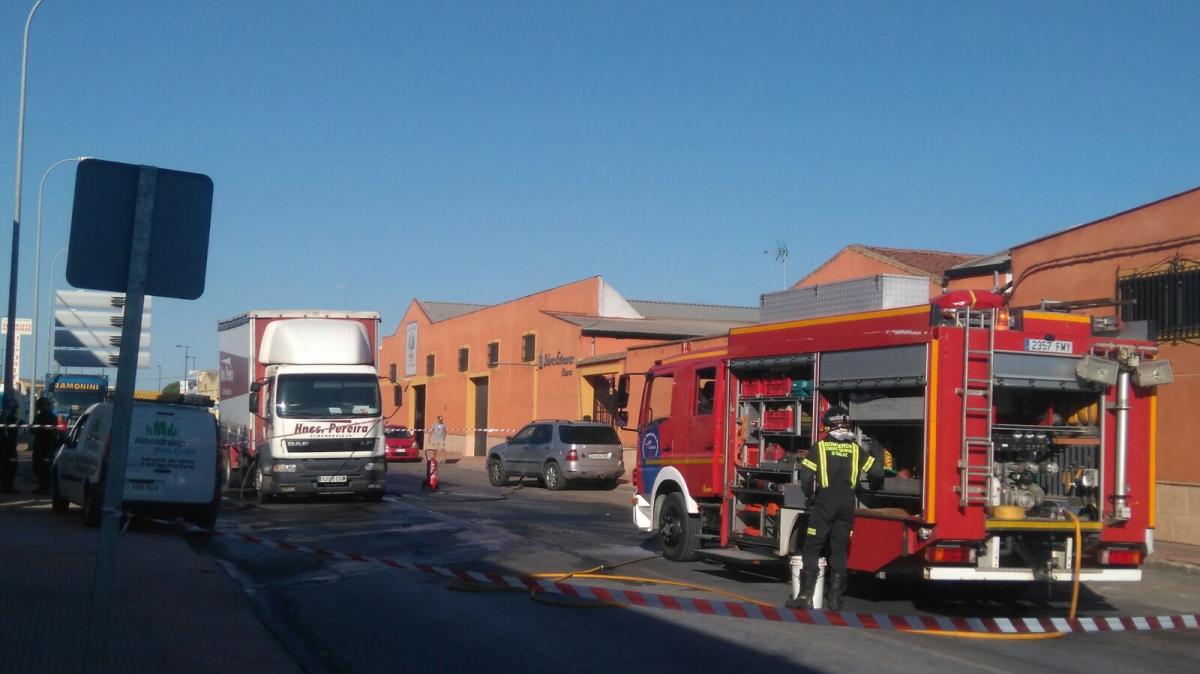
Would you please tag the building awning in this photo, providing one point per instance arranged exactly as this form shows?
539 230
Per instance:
602 358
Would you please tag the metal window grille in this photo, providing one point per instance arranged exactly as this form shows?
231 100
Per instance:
464 355
429 365
1169 297
527 348
604 405
493 354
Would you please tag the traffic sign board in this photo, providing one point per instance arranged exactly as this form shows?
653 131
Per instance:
102 224
24 326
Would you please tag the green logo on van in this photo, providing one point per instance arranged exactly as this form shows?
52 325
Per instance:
162 429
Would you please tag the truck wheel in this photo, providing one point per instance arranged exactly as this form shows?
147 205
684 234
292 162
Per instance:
552 477
259 490
496 474
92 504
678 531
58 503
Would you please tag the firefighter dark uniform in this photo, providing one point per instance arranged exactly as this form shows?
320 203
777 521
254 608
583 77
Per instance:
45 443
8 451
828 477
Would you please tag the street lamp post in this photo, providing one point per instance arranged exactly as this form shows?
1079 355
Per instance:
37 270
159 378
50 315
10 338
185 348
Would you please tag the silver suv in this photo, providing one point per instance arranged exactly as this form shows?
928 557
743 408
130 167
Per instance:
559 452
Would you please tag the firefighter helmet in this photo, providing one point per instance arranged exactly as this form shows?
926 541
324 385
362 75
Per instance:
837 417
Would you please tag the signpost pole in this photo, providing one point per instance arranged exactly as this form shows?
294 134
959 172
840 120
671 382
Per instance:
114 482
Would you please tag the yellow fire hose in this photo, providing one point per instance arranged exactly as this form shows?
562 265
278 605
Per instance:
1078 564
598 573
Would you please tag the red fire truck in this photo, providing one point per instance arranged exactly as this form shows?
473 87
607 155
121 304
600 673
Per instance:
994 430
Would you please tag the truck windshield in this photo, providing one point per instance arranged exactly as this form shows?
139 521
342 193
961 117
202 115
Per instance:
327 395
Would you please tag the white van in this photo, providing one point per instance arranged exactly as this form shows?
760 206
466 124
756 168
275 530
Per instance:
173 467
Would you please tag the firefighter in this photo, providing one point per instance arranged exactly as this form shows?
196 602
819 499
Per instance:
828 477
8 448
45 443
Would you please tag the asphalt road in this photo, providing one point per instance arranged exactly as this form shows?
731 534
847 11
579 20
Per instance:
344 616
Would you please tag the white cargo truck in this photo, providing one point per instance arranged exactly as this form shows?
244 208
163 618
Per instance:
300 405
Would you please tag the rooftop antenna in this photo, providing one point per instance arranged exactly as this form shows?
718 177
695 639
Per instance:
781 256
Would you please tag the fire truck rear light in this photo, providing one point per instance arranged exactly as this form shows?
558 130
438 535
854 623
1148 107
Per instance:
950 554
1121 557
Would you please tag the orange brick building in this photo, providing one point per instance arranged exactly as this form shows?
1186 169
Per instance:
1141 264
488 370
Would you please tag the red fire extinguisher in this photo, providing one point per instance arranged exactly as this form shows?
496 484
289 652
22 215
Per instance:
431 476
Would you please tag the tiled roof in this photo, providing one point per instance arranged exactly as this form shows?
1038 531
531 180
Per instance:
932 263
441 311
653 328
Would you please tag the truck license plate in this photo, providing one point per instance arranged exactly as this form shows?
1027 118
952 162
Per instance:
332 479
1047 346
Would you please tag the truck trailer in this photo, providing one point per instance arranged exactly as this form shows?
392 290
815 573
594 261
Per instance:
300 404
1004 433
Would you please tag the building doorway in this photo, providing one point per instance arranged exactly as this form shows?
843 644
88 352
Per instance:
480 385
419 414
604 397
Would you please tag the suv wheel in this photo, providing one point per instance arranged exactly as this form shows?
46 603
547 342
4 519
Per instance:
552 477
496 474
678 531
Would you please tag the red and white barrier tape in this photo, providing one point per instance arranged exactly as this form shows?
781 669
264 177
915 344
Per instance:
748 611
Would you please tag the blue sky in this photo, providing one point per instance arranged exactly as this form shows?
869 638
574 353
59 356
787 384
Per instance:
367 153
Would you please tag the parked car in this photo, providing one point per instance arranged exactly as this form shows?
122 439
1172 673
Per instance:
400 445
559 452
173 467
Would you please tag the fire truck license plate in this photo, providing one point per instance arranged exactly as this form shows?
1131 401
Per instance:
1047 346
332 479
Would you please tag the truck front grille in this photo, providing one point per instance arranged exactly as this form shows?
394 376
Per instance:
312 445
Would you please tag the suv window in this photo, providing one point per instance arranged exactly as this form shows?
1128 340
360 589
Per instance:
524 437
588 435
541 434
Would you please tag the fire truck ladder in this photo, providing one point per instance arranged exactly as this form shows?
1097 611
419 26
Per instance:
976 463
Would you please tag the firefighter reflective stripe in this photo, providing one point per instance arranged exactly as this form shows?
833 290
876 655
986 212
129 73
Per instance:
870 462
812 531
809 465
848 451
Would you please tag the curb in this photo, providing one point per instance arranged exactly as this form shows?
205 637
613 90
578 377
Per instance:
1173 566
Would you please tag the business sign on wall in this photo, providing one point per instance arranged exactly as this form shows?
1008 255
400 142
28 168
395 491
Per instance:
410 350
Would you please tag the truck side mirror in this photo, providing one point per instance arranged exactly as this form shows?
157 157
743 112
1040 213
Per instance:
623 392
392 374
254 399
623 419
256 386
397 395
